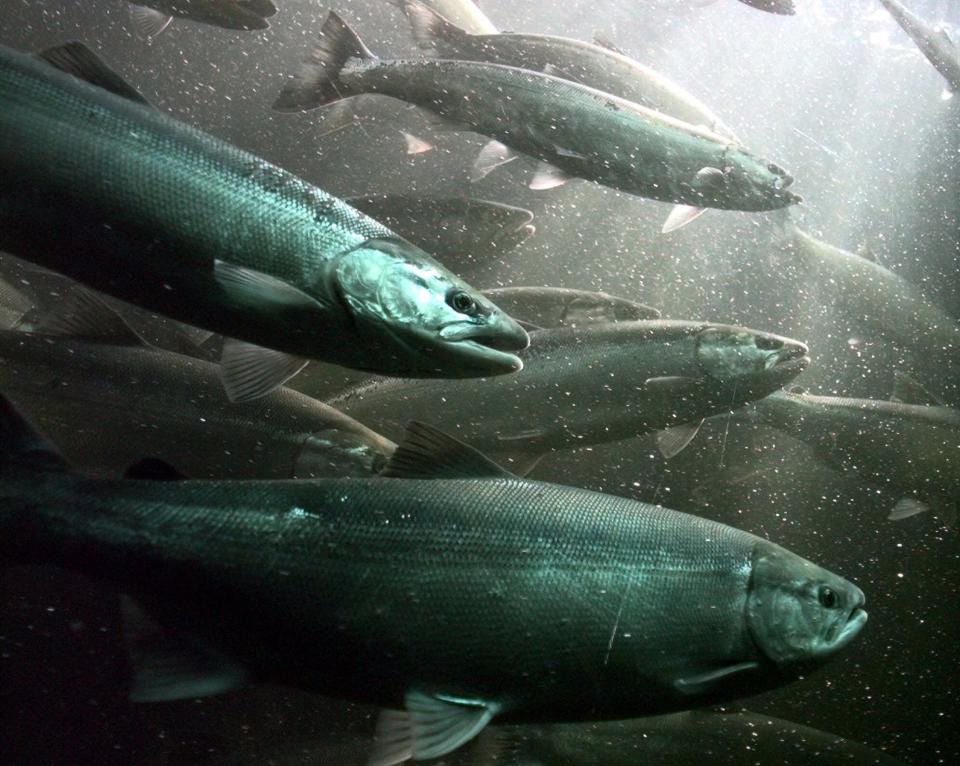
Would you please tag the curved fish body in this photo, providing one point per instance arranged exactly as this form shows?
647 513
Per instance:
912 450
935 44
229 14
875 296
779 7
592 385
549 307
586 63
458 231
137 205
627 608
466 14
108 405
579 131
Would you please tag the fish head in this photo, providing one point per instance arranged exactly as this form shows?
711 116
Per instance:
744 182
751 362
799 614
421 320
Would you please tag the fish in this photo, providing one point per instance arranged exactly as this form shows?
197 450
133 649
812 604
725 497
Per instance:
466 14
151 17
583 386
109 400
874 296
548 307
588 63
139 206
675 739
461 232
576 131
628 609
934 43
905 447
780 7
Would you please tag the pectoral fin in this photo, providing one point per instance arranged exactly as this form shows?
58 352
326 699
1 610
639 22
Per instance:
166 667
149 22
249 372
492 156
672 441
909 391
428 453
680 216
415 145
430 727
906 507
84 316
249 288
702 682
548 176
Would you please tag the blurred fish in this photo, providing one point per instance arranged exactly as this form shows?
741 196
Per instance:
591 385
109 400
144 208
459 231
151 17
574 131
411 584
547 307
690 738
875 296
591 64
908 447
781 7
466 14
934 43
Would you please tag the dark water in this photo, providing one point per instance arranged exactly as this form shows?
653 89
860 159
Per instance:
837 94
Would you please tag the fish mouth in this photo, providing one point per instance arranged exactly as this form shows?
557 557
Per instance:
854 624
792 358
487 348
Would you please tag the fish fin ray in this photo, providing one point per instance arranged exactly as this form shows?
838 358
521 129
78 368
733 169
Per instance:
426 452
317 82
548 176
393 740
703 681
431 31
605 42
906 507
167 667
439 725
149 22
85 316
908 390
248 371
672 441
680 216
492 156
257 289
75 58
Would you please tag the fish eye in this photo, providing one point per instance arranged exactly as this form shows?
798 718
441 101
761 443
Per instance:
828 598
462 302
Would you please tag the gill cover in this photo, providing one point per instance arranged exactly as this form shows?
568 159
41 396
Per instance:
797 612
725 352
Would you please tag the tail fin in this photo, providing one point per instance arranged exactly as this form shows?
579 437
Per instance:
318 81
22 446
432 31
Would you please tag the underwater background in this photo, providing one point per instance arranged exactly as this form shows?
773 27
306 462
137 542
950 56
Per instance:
837 94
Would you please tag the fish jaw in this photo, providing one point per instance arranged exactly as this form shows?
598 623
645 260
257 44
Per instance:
490 348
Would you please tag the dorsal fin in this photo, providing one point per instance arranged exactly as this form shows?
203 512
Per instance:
77 59
599 38
84 316
909 391
427 453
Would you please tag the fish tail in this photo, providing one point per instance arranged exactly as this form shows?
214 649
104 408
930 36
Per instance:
432 32
318 81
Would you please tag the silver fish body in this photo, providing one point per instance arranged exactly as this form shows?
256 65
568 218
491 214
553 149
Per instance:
229 14
591 385
135 204
935 44
107 406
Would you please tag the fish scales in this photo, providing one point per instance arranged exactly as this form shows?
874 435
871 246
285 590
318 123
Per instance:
160 169
392 559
